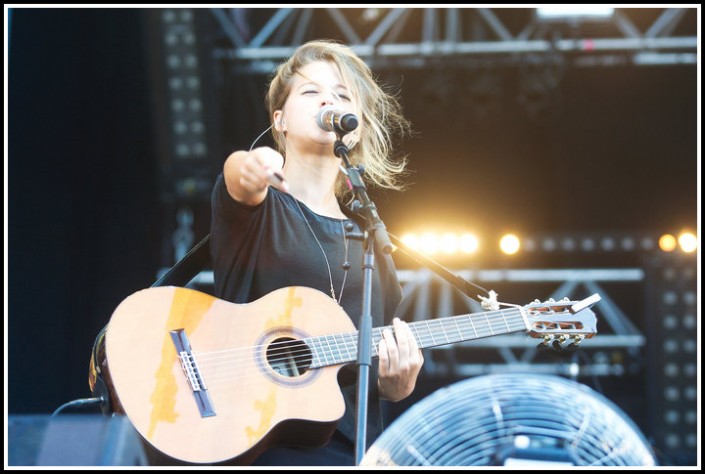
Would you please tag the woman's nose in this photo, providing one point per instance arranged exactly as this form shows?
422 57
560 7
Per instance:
330 98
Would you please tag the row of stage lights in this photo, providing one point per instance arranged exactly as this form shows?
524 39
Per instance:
431 243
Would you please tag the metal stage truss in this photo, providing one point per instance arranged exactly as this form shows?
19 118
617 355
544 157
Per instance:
258 39
427 296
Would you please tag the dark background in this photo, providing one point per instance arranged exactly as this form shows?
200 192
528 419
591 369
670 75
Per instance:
86 219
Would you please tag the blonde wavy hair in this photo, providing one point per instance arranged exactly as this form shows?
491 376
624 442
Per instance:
380 112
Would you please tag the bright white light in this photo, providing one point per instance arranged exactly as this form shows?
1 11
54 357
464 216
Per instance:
688 242
411 240
429 243
574 11
509 244
449 243
468 243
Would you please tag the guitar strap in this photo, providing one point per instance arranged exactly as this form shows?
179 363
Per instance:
188 267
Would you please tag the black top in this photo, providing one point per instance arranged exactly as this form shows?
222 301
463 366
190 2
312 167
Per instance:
257 249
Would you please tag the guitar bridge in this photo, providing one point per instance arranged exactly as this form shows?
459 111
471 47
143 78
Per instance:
192 372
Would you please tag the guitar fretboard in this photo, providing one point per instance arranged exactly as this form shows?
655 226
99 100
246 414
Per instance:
341 348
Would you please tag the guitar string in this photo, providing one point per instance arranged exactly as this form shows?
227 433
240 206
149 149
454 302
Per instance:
205 363
351 337
464 319
224 374
346 347
335 350
230 373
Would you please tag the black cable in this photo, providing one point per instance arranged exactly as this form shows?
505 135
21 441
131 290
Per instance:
81 402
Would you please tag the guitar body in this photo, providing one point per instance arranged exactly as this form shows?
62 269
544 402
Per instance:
205 381
251 403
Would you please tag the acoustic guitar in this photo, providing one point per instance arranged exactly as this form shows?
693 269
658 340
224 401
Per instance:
204 380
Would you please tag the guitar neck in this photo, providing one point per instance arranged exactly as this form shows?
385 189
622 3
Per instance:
337 349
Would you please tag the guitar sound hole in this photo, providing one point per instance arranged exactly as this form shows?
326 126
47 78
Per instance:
289 357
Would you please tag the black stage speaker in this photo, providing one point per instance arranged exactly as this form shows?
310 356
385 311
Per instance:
73 440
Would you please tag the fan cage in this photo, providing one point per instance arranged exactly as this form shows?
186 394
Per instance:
517 418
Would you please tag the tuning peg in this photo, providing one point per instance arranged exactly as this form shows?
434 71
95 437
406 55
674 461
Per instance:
543 347
570 347
546 343
564 344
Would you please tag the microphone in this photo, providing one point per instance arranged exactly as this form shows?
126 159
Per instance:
332 120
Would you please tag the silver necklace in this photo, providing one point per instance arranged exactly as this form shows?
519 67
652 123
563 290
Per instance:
345 265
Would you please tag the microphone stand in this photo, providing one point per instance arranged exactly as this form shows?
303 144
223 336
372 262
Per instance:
375 229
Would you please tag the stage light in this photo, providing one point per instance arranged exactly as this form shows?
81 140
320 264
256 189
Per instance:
647 243
628 244
568 244
688 242
667 243
411 241
449 243
587 244
549 244
469 243
608 243
530 245
574 12
429 243
509 244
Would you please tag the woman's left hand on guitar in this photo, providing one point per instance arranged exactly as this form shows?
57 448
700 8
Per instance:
400 361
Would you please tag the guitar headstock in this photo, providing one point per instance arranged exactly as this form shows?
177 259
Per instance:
562 324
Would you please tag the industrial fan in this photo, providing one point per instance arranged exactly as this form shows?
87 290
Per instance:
513 419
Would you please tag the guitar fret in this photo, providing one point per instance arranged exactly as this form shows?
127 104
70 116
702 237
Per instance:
330 350
433 340
489 324
330 341
444 330
505 320
337 356
315 351
350 347
351 356
473 325
334 348
376 339
418 338
460 334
